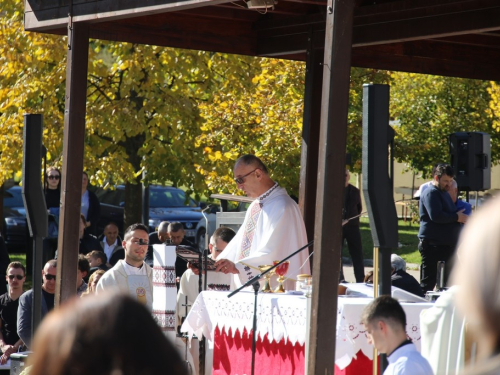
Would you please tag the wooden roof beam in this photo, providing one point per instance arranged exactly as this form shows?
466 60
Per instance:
278 37
48 16
431 26
427 58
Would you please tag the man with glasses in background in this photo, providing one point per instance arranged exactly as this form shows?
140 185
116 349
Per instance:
131 275
273 227
26 302
9 303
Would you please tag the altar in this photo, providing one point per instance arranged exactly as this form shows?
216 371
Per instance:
281 332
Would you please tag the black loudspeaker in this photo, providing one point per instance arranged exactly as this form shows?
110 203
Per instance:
32 191
471 160
377 178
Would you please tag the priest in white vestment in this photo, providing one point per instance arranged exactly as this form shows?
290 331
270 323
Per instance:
131 275
273 228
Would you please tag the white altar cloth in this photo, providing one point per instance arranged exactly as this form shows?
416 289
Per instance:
283 317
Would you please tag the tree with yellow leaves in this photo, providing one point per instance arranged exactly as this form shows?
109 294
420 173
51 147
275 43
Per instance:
427 109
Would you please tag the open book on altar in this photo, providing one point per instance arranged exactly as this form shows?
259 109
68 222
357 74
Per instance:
192 256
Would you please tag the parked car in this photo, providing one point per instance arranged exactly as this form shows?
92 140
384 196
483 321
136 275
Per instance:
14 219
166 203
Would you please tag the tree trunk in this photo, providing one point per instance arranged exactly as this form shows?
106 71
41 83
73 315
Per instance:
133 204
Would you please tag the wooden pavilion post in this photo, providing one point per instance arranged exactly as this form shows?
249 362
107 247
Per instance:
310 136
73 146
331 171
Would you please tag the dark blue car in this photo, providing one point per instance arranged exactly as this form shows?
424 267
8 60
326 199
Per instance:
166 203
14 219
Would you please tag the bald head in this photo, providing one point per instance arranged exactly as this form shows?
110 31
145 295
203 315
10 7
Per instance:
251 161
251 176
453 191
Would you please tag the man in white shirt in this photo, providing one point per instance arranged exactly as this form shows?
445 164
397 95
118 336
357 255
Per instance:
131 275
111 244
385 322
273 227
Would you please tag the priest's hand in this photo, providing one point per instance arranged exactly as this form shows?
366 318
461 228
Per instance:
225 266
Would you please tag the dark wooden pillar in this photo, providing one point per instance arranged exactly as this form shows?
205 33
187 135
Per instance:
331 170
310 136
71 188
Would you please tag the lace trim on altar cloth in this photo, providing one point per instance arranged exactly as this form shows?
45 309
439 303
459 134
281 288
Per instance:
280 318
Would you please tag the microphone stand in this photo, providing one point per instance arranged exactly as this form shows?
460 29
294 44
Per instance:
254 281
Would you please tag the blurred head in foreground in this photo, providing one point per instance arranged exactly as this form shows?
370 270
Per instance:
106 334
477 272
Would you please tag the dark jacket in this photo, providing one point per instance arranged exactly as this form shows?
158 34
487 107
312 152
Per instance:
118 252
93 214
352 205
89 243
438 218
52 198
403 280
24 316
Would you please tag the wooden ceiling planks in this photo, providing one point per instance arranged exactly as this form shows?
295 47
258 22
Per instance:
446 37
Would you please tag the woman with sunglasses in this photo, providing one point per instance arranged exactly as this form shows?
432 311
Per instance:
53 188
52 200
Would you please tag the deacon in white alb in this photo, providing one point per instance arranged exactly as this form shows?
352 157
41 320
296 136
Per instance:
131 275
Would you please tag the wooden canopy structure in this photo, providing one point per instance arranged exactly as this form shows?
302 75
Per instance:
443 37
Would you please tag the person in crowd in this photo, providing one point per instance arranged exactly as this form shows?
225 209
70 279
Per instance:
477 275
131 275
111 244
385 321
215 280
97 259
91 207
427 184
88 242
52 201
273 227
93 280
465 207
350 228
26 302
157 238
100 336
176 234
53 189
9 303
402 279
439 227
81 273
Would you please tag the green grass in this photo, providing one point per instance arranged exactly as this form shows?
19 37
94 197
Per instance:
407 238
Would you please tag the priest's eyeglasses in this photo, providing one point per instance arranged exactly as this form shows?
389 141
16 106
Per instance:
240 180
